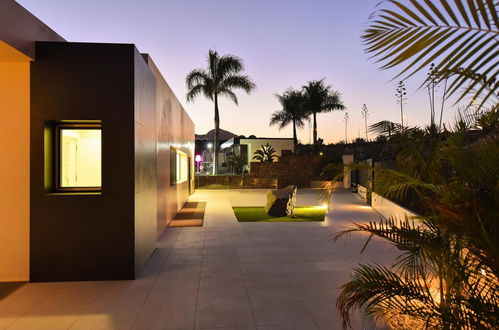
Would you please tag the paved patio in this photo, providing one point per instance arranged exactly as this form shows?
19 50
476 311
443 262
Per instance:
224 275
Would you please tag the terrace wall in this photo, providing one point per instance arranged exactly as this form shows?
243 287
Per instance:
289 170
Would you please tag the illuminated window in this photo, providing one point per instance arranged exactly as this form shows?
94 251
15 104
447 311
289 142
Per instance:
182 167
79 157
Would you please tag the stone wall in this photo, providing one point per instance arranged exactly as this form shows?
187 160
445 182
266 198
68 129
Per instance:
289 170
234 182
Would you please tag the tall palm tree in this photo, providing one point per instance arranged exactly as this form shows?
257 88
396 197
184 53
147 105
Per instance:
292 112
459 36
320 98
220 78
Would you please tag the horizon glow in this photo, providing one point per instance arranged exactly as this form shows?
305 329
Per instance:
284 43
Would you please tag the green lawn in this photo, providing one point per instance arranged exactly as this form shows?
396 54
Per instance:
301 213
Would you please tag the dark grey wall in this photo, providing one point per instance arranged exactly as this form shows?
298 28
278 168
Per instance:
175 129
109 235
83 237
145 161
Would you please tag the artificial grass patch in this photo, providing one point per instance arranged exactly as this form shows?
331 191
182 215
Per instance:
301 214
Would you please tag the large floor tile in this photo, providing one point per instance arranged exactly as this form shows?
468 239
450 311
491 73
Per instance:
220 316
222 294
108 320
173 296
166 318
44 321
292 313
271 293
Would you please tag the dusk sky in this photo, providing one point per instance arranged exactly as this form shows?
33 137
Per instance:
284 43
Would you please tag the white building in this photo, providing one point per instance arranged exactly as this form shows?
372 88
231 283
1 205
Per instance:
247 147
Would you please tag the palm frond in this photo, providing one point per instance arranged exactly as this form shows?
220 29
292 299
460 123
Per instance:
197 90
236 81
281 119
458 36
228 65
378 289
230 94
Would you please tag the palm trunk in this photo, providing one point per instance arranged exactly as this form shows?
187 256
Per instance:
315 128
216 142
295 140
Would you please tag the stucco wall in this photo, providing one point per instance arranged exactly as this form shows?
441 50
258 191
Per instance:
389 209
14 171
19 30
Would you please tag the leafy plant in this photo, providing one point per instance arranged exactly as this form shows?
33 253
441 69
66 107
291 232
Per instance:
265 154
220 78
385 127
447 274
292 112
459 37
320 98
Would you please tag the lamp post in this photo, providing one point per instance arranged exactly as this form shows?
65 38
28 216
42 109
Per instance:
198 161
210 146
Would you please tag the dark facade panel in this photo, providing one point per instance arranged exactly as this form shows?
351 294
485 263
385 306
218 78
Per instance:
175 130
83 237
145 161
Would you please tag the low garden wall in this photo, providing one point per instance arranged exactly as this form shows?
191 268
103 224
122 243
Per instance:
289 170
388 209
234 182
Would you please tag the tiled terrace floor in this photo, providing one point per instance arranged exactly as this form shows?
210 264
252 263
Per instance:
224 275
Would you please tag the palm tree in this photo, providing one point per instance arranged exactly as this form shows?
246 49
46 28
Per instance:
320 98
220 78
460 37
293 112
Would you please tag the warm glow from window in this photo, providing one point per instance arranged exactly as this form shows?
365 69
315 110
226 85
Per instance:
182 167
80 158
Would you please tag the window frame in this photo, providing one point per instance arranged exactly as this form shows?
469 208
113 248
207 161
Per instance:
178 168
59 127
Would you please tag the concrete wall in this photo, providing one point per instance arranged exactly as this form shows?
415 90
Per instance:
362 191
174 130
389 209
14 167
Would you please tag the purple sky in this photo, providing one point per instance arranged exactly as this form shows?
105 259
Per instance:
284 43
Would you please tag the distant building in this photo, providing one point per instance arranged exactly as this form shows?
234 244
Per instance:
246 147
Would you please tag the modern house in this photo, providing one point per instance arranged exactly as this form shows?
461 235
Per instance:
98 155
246 147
